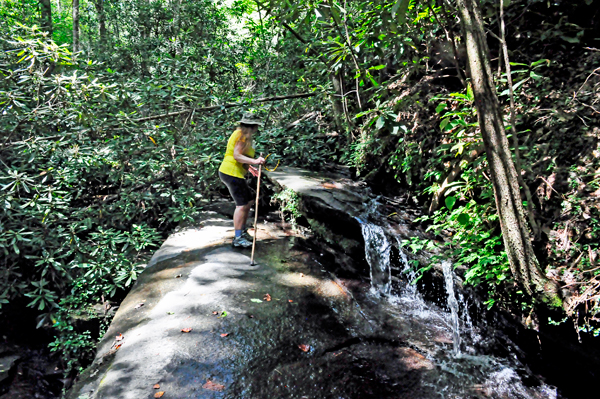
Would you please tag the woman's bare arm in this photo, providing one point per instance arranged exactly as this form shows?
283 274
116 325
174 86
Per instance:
241 158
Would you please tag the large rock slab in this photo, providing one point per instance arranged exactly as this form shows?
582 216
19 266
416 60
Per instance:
275 329
332 204
337 207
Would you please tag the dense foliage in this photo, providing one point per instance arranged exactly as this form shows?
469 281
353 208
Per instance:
106 149
90 180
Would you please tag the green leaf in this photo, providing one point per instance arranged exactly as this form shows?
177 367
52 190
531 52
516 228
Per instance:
380 122
470 95
440 107
534 75
450 201
538 62
256 300
572 40
400 9
444 123
463 219
373 81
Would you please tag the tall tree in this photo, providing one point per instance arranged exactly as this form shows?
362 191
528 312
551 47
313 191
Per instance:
523 262
75 25
46 22
101 21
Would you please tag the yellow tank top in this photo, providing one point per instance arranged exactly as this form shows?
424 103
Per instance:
230 166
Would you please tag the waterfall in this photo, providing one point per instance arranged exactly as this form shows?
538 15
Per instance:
377 253
410 293
453 304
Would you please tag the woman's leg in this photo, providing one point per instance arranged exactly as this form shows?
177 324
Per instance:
240 215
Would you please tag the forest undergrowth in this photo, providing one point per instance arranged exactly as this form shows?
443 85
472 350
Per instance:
110 141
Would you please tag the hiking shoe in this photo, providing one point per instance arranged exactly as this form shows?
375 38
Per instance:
247 235
241 242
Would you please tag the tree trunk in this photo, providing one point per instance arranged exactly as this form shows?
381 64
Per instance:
75 26
523 262
336 101
46 22
101 21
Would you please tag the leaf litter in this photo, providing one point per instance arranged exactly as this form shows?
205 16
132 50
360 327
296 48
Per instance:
213 386
304 348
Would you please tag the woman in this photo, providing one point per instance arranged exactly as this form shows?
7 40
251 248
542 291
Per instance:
238 158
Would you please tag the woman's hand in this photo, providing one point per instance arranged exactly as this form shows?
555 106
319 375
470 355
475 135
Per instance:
253 170
259 161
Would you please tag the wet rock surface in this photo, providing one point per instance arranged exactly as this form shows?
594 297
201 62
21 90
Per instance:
27 373
201 322
306 321
282 328
334 207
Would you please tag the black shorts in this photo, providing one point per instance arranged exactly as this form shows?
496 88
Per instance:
237 188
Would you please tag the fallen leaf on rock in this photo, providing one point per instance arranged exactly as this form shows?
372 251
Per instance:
156 386
139 305
118 346
267 297
215 312
119 337
223 314
224 335
159 394
170 312
186 330
256 300
213 386
304 348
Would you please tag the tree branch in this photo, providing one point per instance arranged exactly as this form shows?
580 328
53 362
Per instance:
227 105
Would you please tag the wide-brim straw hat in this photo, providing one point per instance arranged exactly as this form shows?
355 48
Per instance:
250 119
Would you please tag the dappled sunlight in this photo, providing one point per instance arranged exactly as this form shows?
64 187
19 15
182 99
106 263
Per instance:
322 287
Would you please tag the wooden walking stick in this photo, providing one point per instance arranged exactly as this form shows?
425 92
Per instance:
256 214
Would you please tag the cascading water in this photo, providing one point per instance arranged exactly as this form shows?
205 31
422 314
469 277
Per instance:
453 305
410 294
463 370
377 252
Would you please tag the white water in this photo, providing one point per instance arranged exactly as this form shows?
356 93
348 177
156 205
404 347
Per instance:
410 294
453 305
377 252
464 373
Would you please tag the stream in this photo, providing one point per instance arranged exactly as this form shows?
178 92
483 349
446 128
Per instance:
289 327
446 337
307 321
